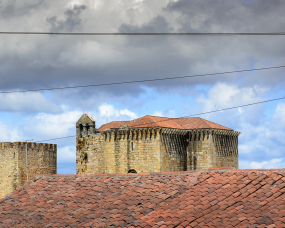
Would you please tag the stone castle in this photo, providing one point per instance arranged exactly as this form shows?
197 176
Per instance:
153 144
21 161
146 144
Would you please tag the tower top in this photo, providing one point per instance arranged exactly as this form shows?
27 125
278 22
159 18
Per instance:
85 126
85 119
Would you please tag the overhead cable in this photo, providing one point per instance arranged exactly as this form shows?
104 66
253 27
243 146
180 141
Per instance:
148 33
55 139
146 80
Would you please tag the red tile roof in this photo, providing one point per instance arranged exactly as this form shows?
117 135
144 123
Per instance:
218 197
163 122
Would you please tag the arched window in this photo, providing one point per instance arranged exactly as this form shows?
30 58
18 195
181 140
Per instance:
132 171
88 129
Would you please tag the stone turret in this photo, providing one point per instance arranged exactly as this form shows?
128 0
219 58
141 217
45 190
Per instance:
85 126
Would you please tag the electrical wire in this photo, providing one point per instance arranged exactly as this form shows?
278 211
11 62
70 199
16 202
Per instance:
240 106
237 106
148 34
55 139
147 80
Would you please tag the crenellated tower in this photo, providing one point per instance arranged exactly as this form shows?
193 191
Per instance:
21 161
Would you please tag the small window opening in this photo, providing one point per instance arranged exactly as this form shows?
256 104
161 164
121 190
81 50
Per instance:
81 129
132 171
88 129
132 145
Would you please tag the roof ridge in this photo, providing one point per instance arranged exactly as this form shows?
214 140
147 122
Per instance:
146 116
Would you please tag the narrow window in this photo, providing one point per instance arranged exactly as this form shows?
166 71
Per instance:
88 129
81 129
132 145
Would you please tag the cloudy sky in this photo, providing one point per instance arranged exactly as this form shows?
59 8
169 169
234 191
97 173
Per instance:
48 61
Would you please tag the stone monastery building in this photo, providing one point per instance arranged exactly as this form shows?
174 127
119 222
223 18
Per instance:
153 144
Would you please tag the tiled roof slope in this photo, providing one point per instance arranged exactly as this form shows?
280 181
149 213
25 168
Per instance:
176 123
220 197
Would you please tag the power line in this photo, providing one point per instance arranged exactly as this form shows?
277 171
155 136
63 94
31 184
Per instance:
148 34
240 106
55 139
147 80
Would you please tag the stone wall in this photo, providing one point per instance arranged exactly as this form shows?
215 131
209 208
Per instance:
119 152
226 147
201 150
90 157
8 169
13 169
155 150
212 148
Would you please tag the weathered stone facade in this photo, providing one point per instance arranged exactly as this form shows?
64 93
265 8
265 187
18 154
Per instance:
124 150
41 159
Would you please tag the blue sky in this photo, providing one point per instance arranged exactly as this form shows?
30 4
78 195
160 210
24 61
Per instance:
33 62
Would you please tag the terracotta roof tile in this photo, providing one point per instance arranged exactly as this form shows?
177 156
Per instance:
205 198
163 122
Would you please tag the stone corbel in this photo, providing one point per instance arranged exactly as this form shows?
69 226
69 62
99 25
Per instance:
145 134
139 132
152 133
131 135
201 135
149 133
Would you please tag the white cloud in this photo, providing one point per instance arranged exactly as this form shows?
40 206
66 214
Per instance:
52 125
110 111
66 154
126 112
27 102
279 116
273 163
158 113
9 133
224 96
256 165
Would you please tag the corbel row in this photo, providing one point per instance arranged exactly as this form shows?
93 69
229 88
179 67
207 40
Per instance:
131 134
174 140
174 131
226 145
204 134
199 134
226 132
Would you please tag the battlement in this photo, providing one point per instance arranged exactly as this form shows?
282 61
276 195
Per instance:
33 145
